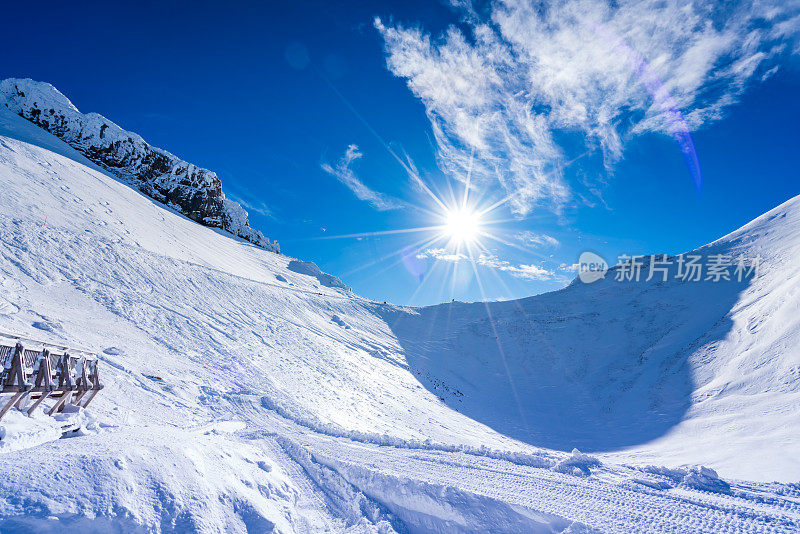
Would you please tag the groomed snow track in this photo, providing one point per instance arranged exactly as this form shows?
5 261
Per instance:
432 488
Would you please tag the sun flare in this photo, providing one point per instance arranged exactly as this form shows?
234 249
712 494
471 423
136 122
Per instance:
462 225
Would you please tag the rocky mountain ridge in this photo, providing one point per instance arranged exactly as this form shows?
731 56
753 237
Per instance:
191 190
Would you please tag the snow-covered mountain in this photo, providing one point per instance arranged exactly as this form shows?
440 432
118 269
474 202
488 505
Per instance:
195 192
249 391
705 371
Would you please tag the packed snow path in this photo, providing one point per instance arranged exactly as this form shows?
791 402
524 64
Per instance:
440 490
247 391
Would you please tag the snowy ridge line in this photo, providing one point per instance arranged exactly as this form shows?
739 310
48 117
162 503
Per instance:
543 460
192 190
742 231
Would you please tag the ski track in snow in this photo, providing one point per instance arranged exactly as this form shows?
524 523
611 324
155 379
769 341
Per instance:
244 395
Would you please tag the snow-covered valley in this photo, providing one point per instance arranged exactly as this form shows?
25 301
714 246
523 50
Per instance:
247 391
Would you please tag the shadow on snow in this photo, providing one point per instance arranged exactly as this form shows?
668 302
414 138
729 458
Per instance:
598 367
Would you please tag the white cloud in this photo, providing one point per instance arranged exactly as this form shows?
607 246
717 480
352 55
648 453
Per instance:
531 272
526 272
536 240
490 261
498 96
441 255
343 171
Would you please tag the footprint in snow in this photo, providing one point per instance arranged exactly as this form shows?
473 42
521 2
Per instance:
338 320
46 325
264 465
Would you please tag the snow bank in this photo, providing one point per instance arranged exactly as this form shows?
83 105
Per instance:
433 508
350 503
19 431
694 476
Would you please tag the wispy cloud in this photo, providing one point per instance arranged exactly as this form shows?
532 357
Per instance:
441 255
343 171
499 94
534 239
490 261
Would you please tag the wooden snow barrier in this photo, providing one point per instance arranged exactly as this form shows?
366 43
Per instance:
33 371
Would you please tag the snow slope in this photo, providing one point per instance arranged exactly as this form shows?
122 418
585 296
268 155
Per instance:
248 391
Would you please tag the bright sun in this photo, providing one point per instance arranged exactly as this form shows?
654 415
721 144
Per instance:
462 225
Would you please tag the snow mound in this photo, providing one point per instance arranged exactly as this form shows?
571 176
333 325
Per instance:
695 476
162 480
19 431
310 268
577 463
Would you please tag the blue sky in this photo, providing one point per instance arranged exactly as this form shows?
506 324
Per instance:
577 113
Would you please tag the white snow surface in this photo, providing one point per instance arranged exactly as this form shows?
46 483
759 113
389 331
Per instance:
250 392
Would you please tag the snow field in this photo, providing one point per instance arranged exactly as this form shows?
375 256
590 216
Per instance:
248 392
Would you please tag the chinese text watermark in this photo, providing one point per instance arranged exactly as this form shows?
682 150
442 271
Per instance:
660 267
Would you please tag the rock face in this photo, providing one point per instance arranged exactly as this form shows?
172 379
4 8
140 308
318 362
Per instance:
194 191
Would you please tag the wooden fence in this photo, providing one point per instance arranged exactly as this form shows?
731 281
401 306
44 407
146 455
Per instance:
34 371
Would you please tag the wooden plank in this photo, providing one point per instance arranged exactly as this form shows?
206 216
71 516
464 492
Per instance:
10 403
58 406
83 383
38 402
23 400
94 392
43 380
17 371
